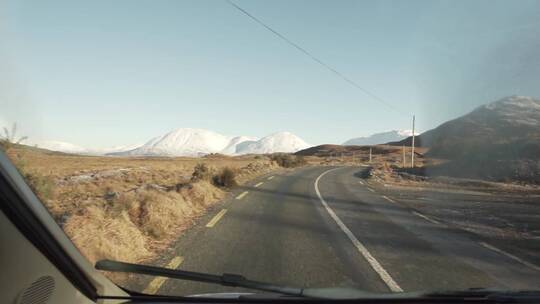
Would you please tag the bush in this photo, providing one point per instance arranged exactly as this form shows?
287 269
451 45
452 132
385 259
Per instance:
226 178
201 172
288 160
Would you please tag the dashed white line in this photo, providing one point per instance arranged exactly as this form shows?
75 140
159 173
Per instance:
156 283
370 189
269 178
388 199
241 195
383 274
361 182
513 257
258 184
425 217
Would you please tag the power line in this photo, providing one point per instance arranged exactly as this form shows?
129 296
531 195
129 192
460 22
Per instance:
317 60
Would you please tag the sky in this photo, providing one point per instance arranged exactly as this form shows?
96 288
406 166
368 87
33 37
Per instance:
105 73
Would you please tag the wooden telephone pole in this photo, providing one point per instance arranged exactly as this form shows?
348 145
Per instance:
403 163
412 144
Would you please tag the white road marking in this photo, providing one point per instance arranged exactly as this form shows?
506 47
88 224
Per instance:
241 195
370 189
388 199
156 283
383 274
258 184
361 182
426 218
513 257
216 218
269 178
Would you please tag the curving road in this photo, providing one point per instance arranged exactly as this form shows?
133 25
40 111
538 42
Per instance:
322 227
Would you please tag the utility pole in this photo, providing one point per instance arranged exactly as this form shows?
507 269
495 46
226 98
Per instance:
403 163
370 154
412 144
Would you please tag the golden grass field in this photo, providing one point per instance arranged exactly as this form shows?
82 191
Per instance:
127 209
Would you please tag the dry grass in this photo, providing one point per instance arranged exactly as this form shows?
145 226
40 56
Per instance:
129 209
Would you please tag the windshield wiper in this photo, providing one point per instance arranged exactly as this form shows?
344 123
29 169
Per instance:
226 279
235 280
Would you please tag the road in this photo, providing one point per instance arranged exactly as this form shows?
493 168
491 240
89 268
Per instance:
324 226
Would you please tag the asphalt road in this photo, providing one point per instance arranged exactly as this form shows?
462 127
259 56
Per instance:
326 227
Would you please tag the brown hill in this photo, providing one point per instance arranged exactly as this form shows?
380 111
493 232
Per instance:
497 141
334 150
506 129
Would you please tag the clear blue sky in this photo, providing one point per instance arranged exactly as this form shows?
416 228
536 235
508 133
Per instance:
100 73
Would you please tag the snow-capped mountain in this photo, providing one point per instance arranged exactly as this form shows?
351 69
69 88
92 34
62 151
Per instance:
114 149
277 142
233 144
65 147
189 142
198 142
58 146
516 110
184 142
379 138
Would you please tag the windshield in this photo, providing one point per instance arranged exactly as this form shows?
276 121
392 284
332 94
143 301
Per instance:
383 146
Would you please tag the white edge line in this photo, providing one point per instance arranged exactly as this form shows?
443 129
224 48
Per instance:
258 184
383 274
389 199
425 217
269 178
513 257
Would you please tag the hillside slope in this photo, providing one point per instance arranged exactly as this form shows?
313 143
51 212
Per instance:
507 128
499 140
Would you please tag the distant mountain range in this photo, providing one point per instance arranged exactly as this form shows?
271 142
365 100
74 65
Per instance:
75 149
198 142
379 138
191 142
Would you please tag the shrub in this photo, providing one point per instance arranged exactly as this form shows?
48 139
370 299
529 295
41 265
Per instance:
201 172
300 161
288 160
225 178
